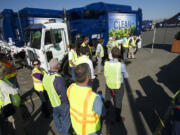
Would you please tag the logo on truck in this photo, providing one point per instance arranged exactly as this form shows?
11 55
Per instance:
121 24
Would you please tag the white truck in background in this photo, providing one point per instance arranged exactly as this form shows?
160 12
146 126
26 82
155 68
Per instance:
34 34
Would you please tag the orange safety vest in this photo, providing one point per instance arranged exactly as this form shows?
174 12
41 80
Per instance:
84 120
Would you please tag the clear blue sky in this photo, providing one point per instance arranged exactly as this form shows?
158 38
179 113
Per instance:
152 9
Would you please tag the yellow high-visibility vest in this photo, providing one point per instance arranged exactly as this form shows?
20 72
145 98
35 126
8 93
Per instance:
84 120
74 59
48 82
126 44
102 51
112 73
133 43
38 85
2 101
115 44
84 45
82 59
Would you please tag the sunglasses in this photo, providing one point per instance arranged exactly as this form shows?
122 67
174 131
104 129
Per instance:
36 64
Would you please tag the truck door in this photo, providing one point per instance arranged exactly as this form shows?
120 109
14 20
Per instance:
33 46
54 44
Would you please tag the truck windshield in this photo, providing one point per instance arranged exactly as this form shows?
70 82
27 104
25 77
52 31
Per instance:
33 38
53 36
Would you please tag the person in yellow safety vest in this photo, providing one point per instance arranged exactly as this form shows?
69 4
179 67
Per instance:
100 54
72 57
37 76
10 71
115 43
109 45
125 47
86 107
131 49
9 99
86 44
85 59
54 84
114 71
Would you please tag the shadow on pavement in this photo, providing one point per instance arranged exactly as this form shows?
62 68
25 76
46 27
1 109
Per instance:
112 126
39 126
154 105
35 122
135 112
166 47
170 75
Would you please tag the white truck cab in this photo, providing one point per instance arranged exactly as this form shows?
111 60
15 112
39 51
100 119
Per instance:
46 41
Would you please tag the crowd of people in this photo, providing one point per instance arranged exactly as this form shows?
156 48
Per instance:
79 104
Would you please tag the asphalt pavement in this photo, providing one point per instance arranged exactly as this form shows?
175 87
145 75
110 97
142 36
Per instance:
153 79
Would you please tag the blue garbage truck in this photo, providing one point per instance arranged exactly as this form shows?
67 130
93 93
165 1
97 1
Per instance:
24 32
102 20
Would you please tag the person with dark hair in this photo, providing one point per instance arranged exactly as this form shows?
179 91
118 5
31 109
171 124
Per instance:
115 72
85 59
100 54
56 89
86 44
86 106
37 76
72 57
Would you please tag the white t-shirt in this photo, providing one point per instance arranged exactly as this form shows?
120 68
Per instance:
89 62
70 56
98 49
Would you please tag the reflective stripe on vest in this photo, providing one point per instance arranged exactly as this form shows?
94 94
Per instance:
38 85
84 120
2 102
112 73
126 44
74 59
10 75
102 51
82 59
48 82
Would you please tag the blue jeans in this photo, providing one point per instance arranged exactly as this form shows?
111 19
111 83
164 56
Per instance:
73 73
61 118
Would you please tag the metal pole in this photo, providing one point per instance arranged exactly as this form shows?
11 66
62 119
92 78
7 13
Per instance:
68 25
154 36
20 24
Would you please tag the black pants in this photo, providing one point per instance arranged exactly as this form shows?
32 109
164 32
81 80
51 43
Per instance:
44 99
117 99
